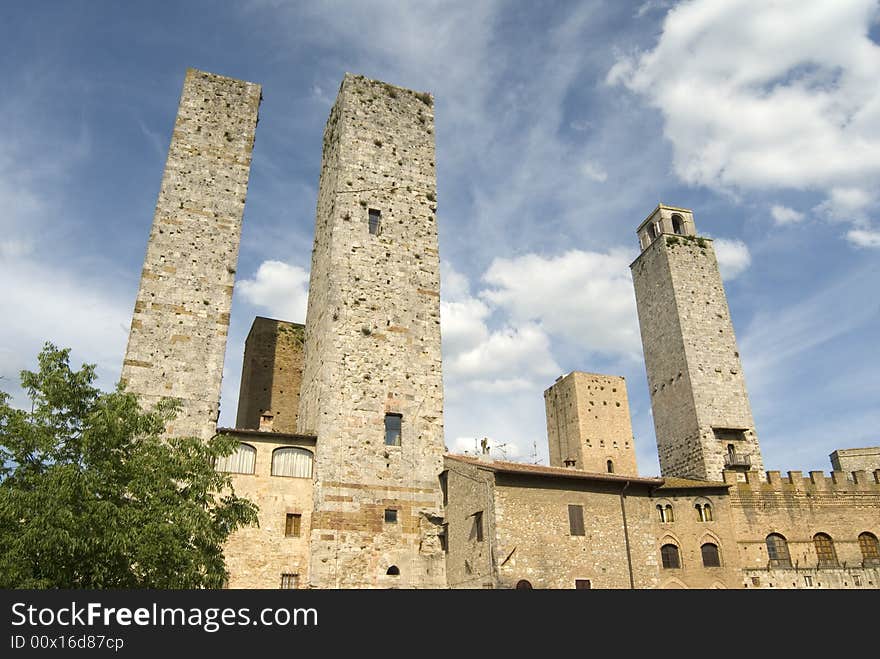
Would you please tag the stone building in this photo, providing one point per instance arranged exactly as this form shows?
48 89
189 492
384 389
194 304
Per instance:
340 421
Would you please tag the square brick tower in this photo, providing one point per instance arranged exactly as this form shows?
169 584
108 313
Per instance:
178 331
702 414
372 388
588 422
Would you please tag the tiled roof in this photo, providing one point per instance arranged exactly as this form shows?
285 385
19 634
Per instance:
266 434
501 466
685 483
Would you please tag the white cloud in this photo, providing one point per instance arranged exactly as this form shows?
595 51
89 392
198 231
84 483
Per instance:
768 96
863 238
586 297
785 215
733 257
279 288
47 303
593 170
505 354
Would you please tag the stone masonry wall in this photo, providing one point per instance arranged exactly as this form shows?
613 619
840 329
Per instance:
856 459
256 557
372 344
842 505
588 420
271 374
178 331
689 532
694 371
470 561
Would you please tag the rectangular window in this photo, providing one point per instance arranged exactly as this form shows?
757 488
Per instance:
391 515
576 520
444 487
292 525
477 528
393 423
444 538
857 580
582 584
289 581
375 216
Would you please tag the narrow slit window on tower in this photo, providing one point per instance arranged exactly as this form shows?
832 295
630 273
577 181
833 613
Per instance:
576 520
477 527
393 423
610 466
375 217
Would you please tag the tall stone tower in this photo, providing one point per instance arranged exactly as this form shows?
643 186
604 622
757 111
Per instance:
588 423
372 383
271 373
181 317
702 415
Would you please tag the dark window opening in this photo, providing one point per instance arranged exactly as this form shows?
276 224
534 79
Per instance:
677 224
393 423
610 466
582 584
870 549
443 536
711 557
444 487
375 217
576 520
391 515
825 550
669 556
523 584
292 525
477 527
394 571
777 551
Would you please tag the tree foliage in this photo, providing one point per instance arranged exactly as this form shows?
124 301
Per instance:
93 496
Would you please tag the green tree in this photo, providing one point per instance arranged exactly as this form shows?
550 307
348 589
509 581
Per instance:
93 496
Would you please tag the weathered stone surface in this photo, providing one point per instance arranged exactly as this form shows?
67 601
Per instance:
271 374
178 332
588 421
257 557
856 459
695 377
372 343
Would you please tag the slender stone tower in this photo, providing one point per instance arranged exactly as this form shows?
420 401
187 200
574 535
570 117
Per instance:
178 331
588 424
702 415
372 388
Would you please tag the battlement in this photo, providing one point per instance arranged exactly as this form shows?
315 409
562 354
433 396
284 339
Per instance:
816 481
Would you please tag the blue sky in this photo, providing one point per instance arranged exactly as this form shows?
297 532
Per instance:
559 127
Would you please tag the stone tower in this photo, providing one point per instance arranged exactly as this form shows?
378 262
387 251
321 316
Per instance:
702 415
271 374
588 422
372 383
181 317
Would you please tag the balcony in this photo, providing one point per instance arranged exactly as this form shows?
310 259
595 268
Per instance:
735 460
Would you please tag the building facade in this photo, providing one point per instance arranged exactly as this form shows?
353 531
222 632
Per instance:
340 421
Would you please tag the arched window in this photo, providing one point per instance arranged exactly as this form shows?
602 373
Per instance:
240 461
669 516
711 557
291 461
704 512
677 224
394 571
777 551
652 231
870 549
661 513
669 556
610 466
825 550
523 584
